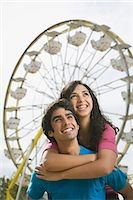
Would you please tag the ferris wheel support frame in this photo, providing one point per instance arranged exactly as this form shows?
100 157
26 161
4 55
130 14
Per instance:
25 157
22 165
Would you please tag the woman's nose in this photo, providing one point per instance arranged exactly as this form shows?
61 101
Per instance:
80 98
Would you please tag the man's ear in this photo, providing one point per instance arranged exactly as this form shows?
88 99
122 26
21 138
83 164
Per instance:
51 134
78 127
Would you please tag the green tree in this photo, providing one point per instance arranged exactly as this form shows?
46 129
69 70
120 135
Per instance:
4 182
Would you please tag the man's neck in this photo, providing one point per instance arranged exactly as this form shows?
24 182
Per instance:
70 147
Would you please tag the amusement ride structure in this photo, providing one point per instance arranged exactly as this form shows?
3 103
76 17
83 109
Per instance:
70 50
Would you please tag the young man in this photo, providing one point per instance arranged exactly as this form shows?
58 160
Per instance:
61 124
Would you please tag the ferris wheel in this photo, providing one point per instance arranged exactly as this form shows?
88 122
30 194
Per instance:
70 50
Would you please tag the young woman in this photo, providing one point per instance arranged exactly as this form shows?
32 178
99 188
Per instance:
96 133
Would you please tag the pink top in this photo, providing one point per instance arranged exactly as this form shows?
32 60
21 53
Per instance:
50 145
108 139
108 142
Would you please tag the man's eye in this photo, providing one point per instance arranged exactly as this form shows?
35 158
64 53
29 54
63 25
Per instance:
70 116
57 120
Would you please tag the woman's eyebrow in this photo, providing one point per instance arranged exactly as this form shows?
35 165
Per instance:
81 91
73 93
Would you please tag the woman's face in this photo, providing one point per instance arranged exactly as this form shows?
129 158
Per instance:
81 101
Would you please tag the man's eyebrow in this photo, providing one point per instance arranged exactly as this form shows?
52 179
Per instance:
59 116
69 113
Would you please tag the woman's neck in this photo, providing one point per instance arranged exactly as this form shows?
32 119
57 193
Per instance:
84 127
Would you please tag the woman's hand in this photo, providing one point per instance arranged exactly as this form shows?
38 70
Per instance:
42 173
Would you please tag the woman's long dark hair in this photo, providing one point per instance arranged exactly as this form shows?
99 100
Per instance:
98 120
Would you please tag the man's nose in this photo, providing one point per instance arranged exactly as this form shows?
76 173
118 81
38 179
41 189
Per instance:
66 121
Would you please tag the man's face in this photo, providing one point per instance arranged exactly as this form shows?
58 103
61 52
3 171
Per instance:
65 127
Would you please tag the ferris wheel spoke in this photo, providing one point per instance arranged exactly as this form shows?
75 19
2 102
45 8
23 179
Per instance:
70 50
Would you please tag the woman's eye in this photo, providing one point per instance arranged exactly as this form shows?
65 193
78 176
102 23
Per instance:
73 96
86 93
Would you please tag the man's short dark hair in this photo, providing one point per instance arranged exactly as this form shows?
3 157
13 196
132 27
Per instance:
61 103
